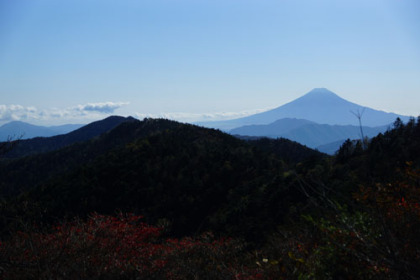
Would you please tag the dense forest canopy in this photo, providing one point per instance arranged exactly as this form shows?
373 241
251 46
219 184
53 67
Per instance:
288 211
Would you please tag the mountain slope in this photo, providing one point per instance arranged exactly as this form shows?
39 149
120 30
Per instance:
45 144
289 151
307 133
319 105
272 130
22 173
331 148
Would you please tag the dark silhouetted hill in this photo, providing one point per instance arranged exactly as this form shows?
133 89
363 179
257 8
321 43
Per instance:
44 144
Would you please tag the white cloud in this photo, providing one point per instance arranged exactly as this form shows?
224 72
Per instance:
16 112
106 107
80 113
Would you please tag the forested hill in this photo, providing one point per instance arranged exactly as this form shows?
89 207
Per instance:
39 145
383 155
288 150
195 178
26 172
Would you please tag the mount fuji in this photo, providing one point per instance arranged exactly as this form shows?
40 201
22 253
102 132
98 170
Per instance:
321 106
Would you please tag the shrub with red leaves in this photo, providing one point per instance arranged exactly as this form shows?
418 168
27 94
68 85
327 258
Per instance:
122 247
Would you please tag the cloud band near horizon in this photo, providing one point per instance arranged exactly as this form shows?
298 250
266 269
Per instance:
87 111
94 111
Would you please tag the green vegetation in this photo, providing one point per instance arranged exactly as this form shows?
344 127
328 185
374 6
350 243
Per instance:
213 207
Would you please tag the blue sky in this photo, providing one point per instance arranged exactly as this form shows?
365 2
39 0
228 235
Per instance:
80 60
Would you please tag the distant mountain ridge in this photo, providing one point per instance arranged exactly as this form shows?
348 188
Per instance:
320 105
308 133
22 130
45 144
272 130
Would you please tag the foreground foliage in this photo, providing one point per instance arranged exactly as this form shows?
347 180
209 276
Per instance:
122 247
374 236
